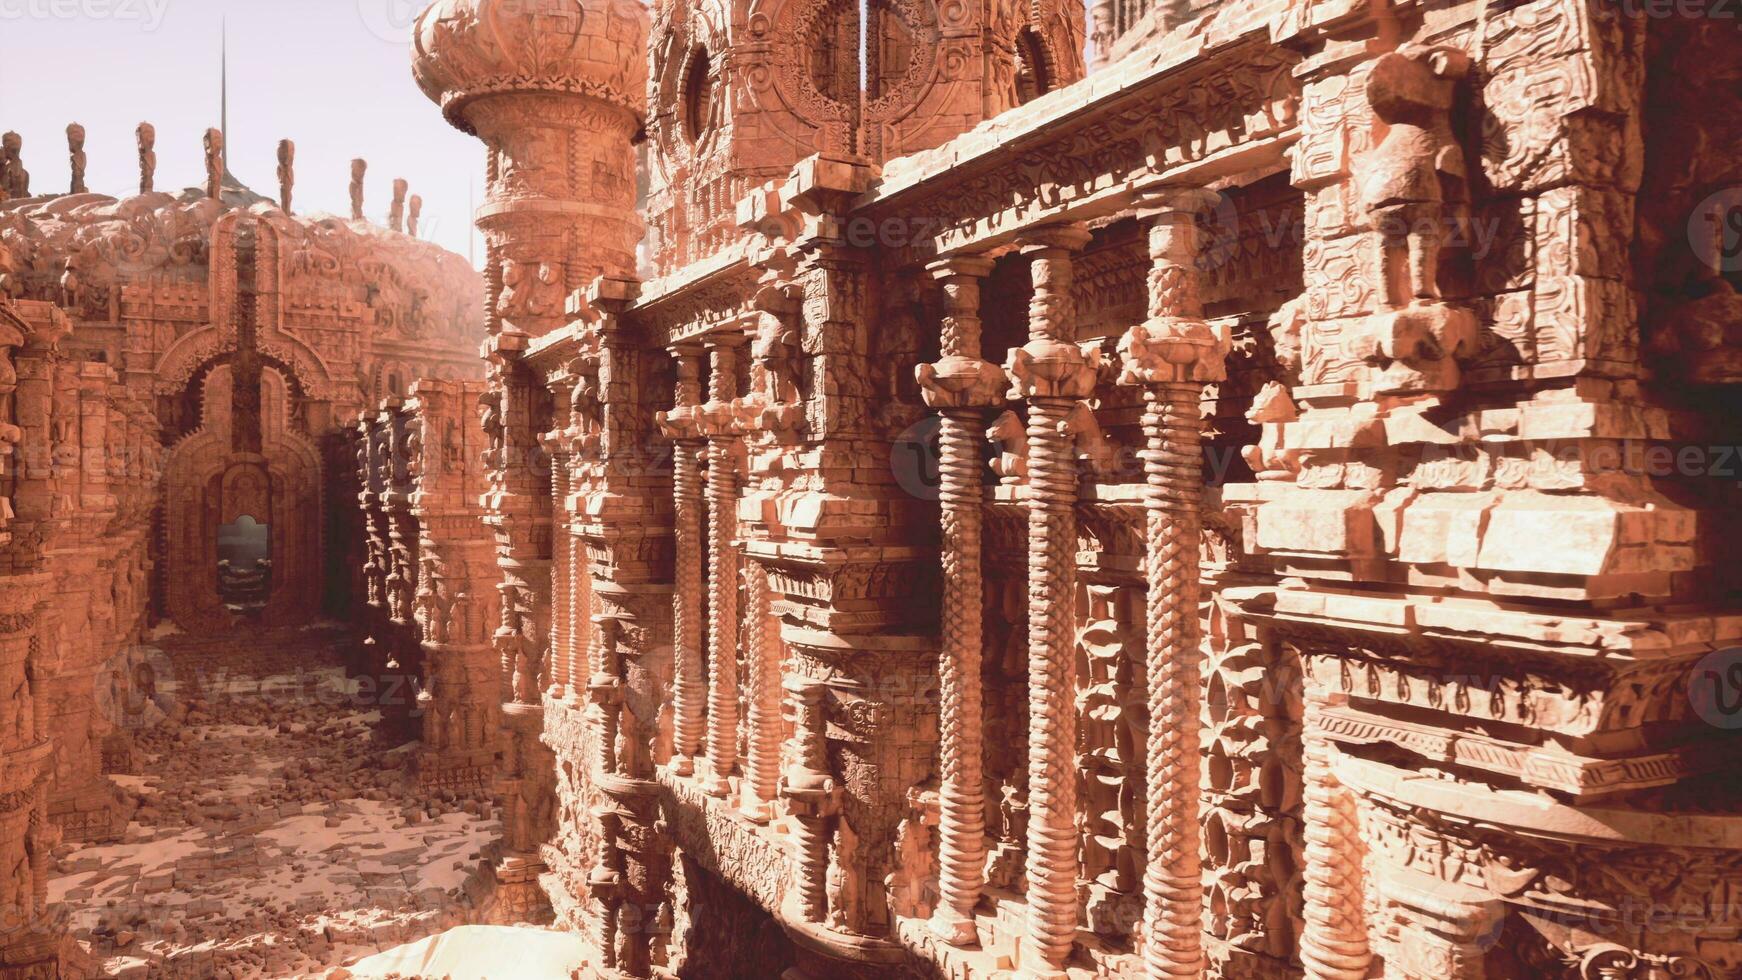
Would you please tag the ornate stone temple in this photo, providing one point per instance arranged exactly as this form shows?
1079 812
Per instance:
1196 517
974 490
176 369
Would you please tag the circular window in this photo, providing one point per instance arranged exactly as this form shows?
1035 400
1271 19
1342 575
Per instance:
833 56
698 95
866 54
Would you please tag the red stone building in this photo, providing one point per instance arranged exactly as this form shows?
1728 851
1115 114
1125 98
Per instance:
182 372
1166 522
1254 509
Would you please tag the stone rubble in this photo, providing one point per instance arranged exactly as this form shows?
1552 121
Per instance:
276 833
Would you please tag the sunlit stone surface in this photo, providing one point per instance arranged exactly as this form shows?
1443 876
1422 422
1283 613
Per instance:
967 490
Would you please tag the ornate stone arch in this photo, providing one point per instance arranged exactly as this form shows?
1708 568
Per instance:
197 350
207 483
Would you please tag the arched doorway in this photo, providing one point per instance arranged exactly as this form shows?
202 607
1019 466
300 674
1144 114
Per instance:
245 487
244 563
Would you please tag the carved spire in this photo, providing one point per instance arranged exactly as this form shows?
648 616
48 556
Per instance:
14 179
145 135
359 167
396 210
214 143
558 90
76 157
413 212
286 173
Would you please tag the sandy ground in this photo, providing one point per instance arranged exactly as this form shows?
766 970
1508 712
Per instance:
278 834
482 953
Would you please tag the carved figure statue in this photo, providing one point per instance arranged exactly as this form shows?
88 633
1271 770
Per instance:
145 135
1406 183
1417 167
286 173
1011 440
14 179
415 209
69 286
76 157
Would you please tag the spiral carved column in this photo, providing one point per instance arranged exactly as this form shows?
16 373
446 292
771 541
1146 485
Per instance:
811 795
1172 356
723 445
562 667
762 696
961 386
1333 939
682 426
1054 376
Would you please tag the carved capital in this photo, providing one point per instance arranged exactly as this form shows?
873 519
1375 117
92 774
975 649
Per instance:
960 382
1056 238
1173 351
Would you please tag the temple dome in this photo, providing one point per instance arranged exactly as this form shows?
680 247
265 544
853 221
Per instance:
464 49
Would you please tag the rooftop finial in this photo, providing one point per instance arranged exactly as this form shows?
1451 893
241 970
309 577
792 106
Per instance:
76 156
146 135
286 172
214 163
396 212
359 167
14 179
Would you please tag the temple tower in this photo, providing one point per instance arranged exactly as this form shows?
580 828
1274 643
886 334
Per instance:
556 90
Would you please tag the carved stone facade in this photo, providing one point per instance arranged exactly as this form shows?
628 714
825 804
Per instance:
1370 702
1251 510
1286 605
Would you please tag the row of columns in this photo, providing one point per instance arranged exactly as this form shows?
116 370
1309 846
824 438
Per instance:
1171 357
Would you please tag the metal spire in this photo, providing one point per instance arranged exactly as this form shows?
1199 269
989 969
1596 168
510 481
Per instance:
224 82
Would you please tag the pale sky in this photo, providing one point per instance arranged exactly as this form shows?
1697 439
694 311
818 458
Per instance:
333 75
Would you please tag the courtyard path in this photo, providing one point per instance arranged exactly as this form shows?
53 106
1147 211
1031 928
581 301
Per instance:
278 834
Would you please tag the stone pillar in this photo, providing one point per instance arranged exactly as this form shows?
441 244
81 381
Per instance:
1054 376
1333 939
455 597
83 804
26 755
811 794
404 647
1171 357
724 448
557 93
961 386
769 415
371 455
622 496
563 670
762 696
683 426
